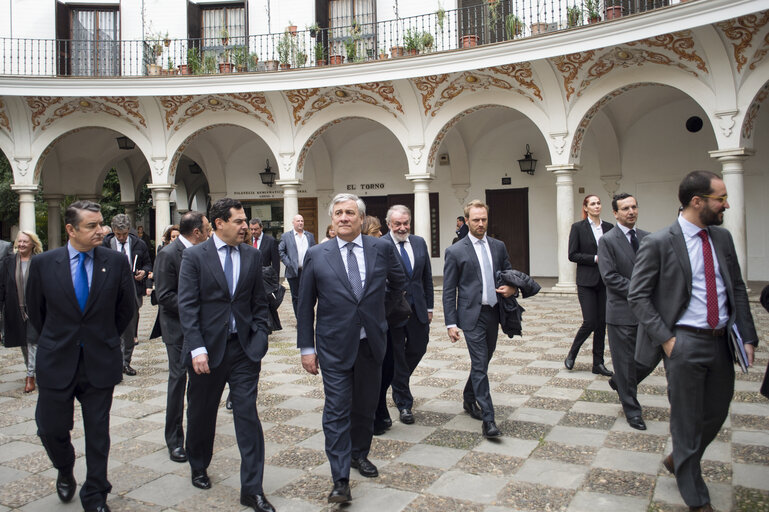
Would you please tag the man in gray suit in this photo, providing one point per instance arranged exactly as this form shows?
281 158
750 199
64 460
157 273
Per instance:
193 229
687 294
616 258
292 248
470 303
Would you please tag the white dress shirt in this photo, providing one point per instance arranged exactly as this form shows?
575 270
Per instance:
301 247
478 247
127 246
626 232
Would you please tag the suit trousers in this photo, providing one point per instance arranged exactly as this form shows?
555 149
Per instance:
700 387
54 417
348 414
127 337
293 284
382 413
177 384
203 397
409 345
481 343
627 371
592 301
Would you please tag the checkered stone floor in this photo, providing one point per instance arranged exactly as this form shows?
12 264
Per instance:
566 445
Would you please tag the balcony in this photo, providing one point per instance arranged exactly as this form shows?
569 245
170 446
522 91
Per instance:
347 42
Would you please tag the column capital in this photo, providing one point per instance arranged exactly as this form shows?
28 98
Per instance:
733 153
289 183
563 168
161 187
53 197
420 178
22 188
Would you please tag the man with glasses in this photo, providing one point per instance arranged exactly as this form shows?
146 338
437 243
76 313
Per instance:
688 295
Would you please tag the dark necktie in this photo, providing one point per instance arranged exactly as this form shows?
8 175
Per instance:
81 281
710 280
633 240
491 293
406 260
353 272
122 249
228 271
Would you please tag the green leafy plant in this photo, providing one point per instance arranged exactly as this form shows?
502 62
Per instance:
225 35
194 61
320 52
240 57
412 40
209 64
493 8
573 16
284 48
427 41
351 48
171 65
441 15
301 58
513 25
593 9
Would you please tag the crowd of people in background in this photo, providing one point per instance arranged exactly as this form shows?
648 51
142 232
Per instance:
363 303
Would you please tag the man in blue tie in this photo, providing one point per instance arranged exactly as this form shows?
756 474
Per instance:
79 298
347 278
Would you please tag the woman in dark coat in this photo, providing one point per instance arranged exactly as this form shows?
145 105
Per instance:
583 250
13 279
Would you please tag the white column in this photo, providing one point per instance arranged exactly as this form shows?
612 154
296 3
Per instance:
290 201
54 220
421 213
734 218
564 208
26 206
161 194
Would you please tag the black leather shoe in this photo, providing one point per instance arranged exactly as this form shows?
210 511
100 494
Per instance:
341 492
407 417
177 454
472 409
256 501
128 370
364 467
612 384
200 479
65 486
490 429
228 402
379 428
569 362
100 508
388 422
637 423
600 369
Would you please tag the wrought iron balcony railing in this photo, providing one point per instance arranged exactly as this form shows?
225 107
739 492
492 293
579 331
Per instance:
346 40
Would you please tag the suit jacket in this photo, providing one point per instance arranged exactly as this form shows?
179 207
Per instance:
15 334
462 232
583 249
166 271
661 288
336 336
463 281
289 254
616 260
54 312
269 250
419 287
205 303
140 252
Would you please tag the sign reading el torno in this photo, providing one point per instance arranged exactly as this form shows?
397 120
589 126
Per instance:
366 186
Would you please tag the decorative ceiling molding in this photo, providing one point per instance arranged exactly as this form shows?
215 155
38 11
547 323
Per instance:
48 109
752 113
180 109
760 53
570 66
5 123
511 77
740 32
308 102
680 43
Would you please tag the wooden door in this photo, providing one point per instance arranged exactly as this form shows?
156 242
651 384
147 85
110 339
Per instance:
308 208
509 222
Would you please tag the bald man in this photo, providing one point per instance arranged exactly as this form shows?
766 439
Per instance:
293 246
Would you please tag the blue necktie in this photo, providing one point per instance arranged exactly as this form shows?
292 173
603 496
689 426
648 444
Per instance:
353 272
81 281
228 271
406 260
491 293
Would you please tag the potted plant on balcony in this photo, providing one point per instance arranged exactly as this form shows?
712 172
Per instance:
440 15
592 7
612 10
573 16
383 55
397 51
284 50
427 41
301 58
291 28
171 70
320 54
225 35
468 40
513 26
209 64
253 62
493 8
335 60
240 58
314 29
412 40
194 63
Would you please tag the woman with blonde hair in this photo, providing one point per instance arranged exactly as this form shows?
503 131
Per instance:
14 270
371 226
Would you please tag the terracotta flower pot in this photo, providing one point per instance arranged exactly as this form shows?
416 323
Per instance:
184 69
397 51
270 65
285 65
153 69
538 28
414 52
335 60
469 41
291 29
613 12
225 67
320 63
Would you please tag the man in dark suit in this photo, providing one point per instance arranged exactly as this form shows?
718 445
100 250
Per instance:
616 258
462 228
266 245
6 248
292 248
79 298
194 229
687 294
223 312
409 341
138 257
347 277
470 304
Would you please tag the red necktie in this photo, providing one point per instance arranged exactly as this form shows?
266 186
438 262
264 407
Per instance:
710 280
256 243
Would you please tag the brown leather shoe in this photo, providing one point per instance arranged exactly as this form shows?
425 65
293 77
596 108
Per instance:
29 385
704 508
668 463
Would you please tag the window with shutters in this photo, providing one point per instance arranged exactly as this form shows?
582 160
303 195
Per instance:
90 40
223 25
352 25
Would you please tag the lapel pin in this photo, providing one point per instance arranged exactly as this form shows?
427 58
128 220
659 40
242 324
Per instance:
103 269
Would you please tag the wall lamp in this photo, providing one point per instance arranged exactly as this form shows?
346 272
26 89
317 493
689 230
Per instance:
124 142
528 164
267 176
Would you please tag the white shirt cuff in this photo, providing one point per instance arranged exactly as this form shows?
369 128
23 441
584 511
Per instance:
450 326
195 353
307 351
429 310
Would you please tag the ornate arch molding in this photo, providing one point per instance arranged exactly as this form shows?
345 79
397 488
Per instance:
441 135
306 103
5 122
311 140
749 38
748 123
179 110
45 111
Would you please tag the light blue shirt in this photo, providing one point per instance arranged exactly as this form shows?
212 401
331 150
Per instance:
696 314
74 261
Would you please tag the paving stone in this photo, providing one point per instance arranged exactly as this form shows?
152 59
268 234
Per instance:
552 473
474 488
576 436
751 475
432 456
595 502
525 496
610 458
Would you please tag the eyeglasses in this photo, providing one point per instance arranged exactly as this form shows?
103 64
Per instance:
721 199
